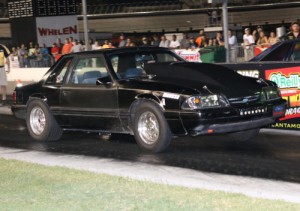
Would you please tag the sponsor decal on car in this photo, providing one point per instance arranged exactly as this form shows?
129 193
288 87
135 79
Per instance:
171 95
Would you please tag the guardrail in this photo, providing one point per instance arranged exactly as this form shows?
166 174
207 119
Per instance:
238 54
23 76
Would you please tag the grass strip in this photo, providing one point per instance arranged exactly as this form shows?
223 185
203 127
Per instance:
26 186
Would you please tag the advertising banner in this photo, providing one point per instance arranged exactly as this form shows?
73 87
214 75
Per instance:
51 28
189 55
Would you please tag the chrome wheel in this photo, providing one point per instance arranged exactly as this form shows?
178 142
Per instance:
148 127
37 120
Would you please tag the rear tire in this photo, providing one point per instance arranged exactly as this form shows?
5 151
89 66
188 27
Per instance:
40 122
246 135
151 130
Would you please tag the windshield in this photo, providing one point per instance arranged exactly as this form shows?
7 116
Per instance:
131 64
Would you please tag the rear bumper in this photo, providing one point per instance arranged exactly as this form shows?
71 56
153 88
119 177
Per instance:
19 111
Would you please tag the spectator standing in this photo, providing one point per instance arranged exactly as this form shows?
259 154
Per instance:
55 52
145 42
37 52
106 44
23 56
31 51
67 47
96 45
214 17
45 56
174 44
155 42
209 43
14 52
59 44
164 42
273 38
294 31
248 42
232 40
4 54
262 40
129 43
193 44
122 42
200 39
72 40
220 39
110 45
233 46
185 43
256 33
77 47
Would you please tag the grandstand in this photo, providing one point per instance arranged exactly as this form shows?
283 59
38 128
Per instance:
173 15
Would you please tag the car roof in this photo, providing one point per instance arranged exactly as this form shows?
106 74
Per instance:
121 50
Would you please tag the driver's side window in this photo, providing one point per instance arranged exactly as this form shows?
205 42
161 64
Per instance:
88 70
58 76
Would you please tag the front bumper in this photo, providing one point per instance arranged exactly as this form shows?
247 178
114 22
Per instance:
232 119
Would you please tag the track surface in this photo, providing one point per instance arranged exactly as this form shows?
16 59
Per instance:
271 155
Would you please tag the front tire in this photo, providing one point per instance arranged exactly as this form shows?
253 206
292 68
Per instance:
40 122
151 130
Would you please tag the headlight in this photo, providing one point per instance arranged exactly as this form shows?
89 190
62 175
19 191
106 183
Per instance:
271 92
209 101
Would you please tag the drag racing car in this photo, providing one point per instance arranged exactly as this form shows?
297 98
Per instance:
284 51
148 92
280 63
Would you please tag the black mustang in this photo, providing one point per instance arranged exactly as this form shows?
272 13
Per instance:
147 92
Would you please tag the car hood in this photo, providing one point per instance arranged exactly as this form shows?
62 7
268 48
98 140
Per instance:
206 78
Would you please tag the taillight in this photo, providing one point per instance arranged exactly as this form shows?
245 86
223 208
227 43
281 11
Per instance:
14 97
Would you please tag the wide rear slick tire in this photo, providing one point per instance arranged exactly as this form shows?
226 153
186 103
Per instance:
40 122
151 130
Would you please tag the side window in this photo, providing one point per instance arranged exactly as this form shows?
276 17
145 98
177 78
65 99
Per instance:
129 65
57 76
87 70
165 57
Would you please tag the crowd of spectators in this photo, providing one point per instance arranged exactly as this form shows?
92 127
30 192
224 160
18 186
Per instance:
41 56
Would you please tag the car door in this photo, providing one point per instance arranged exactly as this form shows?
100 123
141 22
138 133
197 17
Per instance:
53 83
85 104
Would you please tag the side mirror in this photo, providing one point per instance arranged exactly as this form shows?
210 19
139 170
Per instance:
103 81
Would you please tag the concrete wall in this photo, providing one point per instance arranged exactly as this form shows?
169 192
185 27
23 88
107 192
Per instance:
25 75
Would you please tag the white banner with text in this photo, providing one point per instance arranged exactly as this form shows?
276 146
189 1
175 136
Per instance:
51 28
